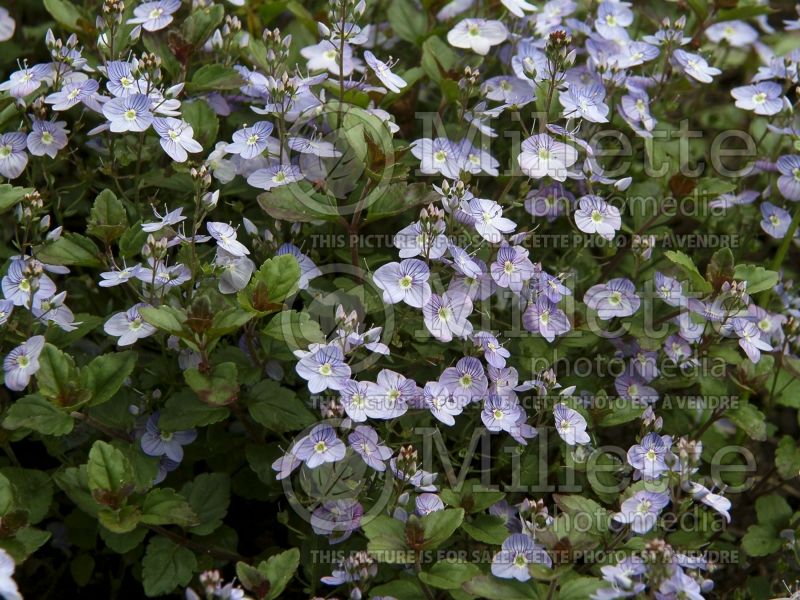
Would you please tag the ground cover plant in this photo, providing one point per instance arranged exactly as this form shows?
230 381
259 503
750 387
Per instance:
399 299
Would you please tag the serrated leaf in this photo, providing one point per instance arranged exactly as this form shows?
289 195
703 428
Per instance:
202 22
449 575
492 588
407 20
278 408
71 249
209 495
107 219
280 569
750 419
758 278
787 458
108 470
488 529
166 566
217 388
184 410
690 269
440 525
387 540
215 77
164 506
65 12
165 318
10 195
760 541
104 375
59 378
39 414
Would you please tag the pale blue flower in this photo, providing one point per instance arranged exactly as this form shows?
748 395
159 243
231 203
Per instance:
155 442
177 138
570 425
320 446
406 281
324 369
22 363
518 552
250 142
27 80
641 510
47 137
128 113
13 158
152 16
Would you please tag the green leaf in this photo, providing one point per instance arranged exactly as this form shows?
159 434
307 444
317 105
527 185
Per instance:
750 419
165 318
10 195
131 242
6 495
437 56
36 413
407 20
58 377
621 412
70 249
218 388
395 199
280 569
276 280
387 540
298 203
122 520
209 495
164 506
787 458
720 268
773 511
252 579
74 481
166 566
492 588
690 269
184 410
488 529
586 514
33 491
203 120
760 541
122 543
104 376
278 408
201 23
758 278
214 77
158 45
297 329
107 219
65 12
579 588
439 526
743 12
228 321
108 470
81 568
699 8
472 497
449 575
